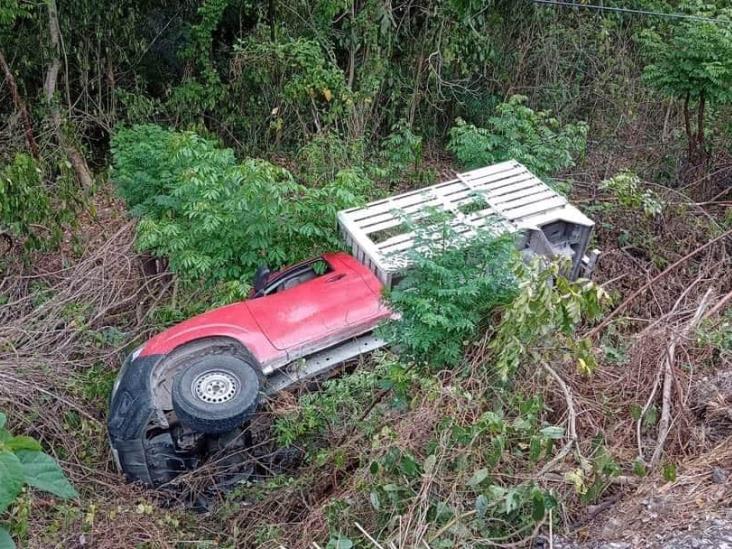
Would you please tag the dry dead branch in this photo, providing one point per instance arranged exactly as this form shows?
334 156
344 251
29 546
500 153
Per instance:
668 377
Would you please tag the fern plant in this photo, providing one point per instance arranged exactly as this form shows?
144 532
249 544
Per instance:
516 132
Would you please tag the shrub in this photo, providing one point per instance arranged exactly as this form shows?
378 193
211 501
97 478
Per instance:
292 82
30 210
321 158
626 186
217 220
547 310
450 287
516 132
401 152
22 462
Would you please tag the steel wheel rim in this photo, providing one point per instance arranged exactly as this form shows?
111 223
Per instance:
215 387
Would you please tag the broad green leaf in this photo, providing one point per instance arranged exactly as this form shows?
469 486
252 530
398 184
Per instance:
481 506
553 432
22 443
535 448
6 542
538 506
3 420
479 476
42 472
408 466
339 543
375 501
11 479
513 500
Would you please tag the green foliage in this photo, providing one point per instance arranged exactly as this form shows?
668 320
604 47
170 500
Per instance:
540 323
594 475
22 462
475 454
401 151
626 186
217 220
339 543
517 132
326 154
10 10
692 62
29 209
451 286
693 58
718 335
340 400
292 83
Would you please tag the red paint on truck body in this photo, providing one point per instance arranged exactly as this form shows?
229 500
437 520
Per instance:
279 327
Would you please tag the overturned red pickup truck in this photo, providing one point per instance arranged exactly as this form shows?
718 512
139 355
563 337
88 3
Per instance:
189 391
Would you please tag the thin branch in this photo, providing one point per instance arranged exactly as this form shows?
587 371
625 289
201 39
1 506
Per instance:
668 364
596 330
571 421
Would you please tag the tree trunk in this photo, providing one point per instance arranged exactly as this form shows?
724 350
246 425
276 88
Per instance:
701 150
271 20
352 49
20 107
416 91
76 159
690 138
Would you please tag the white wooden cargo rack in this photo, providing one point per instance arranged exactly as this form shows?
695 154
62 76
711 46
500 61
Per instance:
504 197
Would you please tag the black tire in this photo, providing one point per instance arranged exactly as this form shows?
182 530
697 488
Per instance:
215 393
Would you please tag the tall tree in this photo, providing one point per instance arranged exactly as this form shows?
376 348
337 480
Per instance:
693 64
76 158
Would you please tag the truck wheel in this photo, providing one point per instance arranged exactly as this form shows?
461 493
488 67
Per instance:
215 393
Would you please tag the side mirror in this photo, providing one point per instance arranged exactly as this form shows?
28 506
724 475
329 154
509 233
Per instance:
260 278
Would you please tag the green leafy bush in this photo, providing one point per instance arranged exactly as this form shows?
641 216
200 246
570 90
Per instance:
473 450
401 152
339 402
216 219
293 83
516 132
30 210
452 284
22 462
626 186
321 158
539 324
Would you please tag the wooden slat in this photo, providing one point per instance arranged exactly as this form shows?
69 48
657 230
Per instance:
516 194
537 207
406 199
365 244
495 187
389 219
495 169
405 241
496 194
526 200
